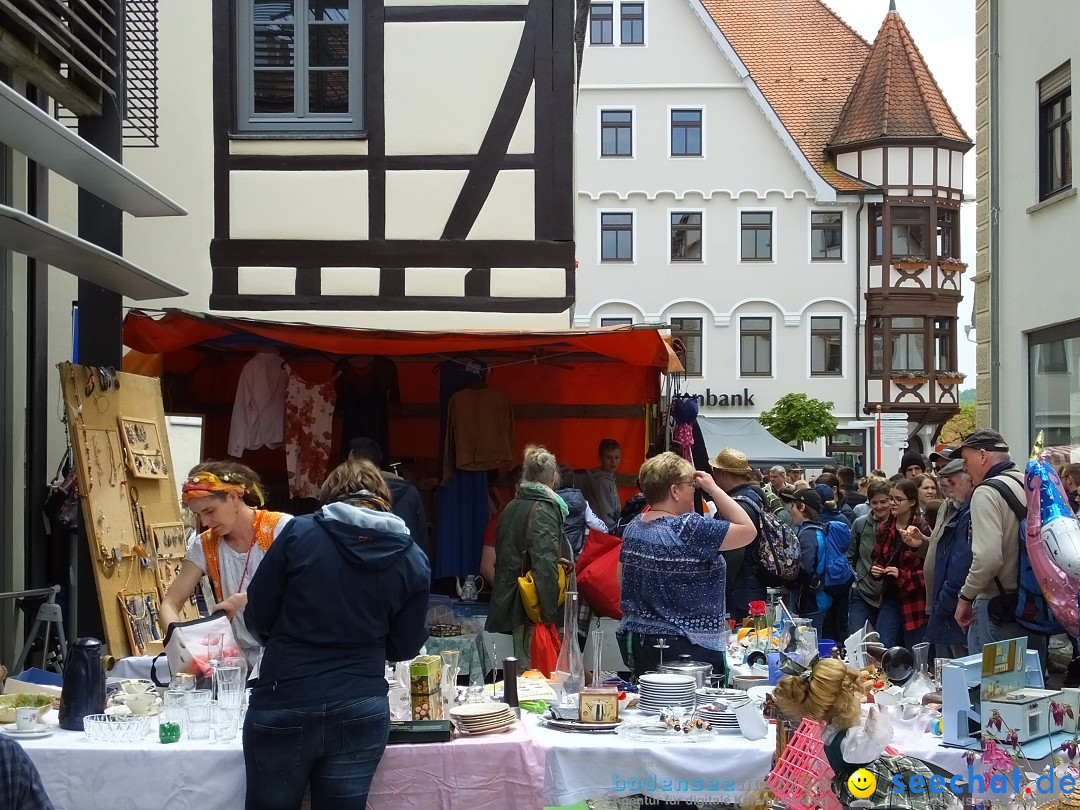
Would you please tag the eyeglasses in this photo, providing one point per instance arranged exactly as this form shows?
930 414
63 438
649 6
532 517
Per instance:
898 500
689 481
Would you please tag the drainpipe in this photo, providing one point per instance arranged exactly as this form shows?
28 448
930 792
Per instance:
858 305
994 269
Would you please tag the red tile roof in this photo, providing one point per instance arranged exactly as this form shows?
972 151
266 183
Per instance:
896 96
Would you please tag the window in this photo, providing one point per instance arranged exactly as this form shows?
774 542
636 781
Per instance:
875 220
688 330
601 24
848 449
947 246
616 237
1055 132
877 346
1053 358
826 353
686 236
616 133
909 232
826 236
756 236
1054 374
299 71
686 133
633 23
908 341
616 321
755 347
944 357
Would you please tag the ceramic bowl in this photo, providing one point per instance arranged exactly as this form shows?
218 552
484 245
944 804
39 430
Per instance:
9 703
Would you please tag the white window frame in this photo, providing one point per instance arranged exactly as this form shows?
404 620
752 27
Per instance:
632 109
810 375
600 260
756 209
705 321
250 123
667 237
773 340
810 235
670 141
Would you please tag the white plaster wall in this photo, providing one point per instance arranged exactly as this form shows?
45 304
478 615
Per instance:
299 205
1037 261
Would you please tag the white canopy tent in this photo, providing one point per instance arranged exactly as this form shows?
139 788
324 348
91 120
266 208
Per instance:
761 447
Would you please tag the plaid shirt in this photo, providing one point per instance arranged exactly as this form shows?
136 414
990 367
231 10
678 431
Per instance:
20 783
910 585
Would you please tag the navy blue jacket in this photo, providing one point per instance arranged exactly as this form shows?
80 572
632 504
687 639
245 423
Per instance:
952 560
338 594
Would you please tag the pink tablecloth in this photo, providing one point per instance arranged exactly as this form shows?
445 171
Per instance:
489 772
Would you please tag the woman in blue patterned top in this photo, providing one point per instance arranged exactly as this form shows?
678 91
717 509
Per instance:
671 570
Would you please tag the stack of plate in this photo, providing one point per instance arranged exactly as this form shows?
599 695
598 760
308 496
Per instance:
719 713
657 691
483 718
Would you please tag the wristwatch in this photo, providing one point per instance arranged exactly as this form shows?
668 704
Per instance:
966 598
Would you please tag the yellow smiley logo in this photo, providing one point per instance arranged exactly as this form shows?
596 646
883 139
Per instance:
862 783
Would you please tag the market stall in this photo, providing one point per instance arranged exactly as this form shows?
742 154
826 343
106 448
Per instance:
289 398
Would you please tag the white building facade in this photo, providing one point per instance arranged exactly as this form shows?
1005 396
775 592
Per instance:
1026 319
704 201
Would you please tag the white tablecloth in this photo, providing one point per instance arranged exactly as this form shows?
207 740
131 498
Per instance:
584 766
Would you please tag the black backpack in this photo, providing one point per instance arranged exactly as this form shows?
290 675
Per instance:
778 559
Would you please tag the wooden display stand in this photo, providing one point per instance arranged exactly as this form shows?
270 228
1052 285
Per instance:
116 427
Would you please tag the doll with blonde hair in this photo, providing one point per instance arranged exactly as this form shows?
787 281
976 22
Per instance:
830 693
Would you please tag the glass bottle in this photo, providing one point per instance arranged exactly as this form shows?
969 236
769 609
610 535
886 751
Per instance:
922 683
570 668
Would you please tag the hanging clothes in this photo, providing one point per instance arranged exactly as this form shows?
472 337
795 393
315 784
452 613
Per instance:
309 425
258 417
479 431
365 394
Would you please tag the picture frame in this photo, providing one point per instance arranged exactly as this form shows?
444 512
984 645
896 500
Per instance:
142 447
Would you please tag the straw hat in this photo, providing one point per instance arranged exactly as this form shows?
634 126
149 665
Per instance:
731 461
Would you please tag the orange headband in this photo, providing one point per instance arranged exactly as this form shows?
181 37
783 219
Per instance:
202 484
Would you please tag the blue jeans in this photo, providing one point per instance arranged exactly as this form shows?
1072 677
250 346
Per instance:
983 631
890 626
860 612
334 746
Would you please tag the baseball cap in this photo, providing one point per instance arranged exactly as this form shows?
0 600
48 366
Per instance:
945 454
808 497
952 468
985 439
786 494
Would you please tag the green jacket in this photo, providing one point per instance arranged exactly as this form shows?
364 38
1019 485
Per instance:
532 521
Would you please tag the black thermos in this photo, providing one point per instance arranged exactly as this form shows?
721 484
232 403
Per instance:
510 695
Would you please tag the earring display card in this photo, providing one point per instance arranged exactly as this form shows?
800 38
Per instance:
140 612
142 448
170 539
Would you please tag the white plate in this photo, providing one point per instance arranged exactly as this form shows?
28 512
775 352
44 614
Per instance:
666 679
13 728
479 709
497 730
759 692
30 735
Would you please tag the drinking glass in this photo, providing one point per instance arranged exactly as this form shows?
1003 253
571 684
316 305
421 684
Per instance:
224 721
240 663
174 709
182 682
198 714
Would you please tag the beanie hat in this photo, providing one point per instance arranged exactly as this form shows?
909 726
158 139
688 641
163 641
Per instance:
912 459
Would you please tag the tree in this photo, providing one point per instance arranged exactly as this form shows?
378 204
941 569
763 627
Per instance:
959 426
797 417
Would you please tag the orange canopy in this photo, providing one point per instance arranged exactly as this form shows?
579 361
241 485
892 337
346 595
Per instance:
179 329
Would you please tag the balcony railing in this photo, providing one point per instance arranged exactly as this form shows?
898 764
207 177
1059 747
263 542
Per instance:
916 274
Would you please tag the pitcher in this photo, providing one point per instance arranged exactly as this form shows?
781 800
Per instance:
469 590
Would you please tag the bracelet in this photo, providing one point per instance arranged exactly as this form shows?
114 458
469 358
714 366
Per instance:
965 598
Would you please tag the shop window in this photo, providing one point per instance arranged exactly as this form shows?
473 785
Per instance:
908 343
688 330
686 133
601 24
299 72
755 347
616 237
1055 132
826 346
947 245
848 449
826 236
616 133
757 236
1054 379
686 236
632 21
909 227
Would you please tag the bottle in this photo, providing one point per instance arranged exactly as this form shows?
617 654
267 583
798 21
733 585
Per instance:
83 692
570 667
922 683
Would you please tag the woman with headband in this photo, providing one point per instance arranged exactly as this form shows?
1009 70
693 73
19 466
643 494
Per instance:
227 497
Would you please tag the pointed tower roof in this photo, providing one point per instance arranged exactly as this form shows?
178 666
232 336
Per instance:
895 95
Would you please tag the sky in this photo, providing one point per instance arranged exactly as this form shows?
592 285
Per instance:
944 31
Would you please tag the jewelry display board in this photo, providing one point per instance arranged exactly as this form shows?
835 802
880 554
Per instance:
116 426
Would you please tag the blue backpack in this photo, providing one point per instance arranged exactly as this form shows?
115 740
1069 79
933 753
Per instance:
833 568
1026 606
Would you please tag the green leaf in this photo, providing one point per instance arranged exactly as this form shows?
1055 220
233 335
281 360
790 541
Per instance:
797 417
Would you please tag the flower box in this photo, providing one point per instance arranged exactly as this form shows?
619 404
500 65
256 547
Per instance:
950 377
911 379
910 262
954 267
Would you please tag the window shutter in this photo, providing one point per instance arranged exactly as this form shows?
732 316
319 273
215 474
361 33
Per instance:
1055 83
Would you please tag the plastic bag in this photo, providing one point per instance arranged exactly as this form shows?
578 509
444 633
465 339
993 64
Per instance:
597 574
544 649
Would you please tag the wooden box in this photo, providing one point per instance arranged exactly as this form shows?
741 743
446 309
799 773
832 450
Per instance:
598 704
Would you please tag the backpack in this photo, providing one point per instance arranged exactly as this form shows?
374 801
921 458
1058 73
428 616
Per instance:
833 568
1031 610
778 561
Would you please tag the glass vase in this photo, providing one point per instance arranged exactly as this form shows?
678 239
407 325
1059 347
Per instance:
570 667
922 683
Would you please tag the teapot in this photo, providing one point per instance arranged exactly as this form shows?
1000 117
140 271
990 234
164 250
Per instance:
469 590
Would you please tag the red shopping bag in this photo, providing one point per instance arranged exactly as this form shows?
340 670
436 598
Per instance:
597 574
544 650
